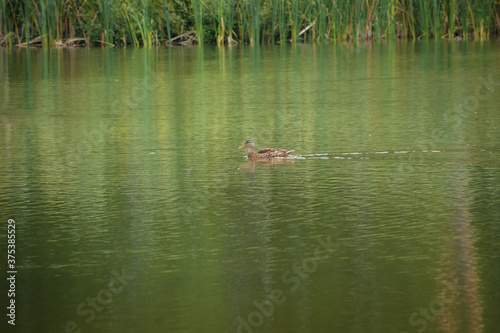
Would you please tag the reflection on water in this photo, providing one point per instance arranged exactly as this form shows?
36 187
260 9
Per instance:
383 219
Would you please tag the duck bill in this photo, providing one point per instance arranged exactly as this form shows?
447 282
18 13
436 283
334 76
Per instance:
244 146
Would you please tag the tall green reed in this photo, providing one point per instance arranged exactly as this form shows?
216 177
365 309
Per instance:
230 19
437 18
322 21
463 18
167 21
424 18
44 19
221 29
223 12
144 22
198 17
282 19
147 39
107 36
26 12
294 19
254 12
485 17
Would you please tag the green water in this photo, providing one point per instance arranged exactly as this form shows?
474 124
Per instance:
136 212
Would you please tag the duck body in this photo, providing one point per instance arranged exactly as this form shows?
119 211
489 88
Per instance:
264 152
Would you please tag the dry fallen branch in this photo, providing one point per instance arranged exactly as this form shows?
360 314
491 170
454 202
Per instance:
72 40
33 41
57 43
184 35
4 38
308 27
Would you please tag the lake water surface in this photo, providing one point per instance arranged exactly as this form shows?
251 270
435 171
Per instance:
136 212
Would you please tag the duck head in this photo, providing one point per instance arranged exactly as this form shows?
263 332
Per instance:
248 144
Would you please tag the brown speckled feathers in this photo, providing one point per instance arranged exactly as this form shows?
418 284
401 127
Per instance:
271 152
264 152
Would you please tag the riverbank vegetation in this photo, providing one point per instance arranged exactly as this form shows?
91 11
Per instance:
60 23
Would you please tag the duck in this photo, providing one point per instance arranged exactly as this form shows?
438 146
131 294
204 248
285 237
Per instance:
264 152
